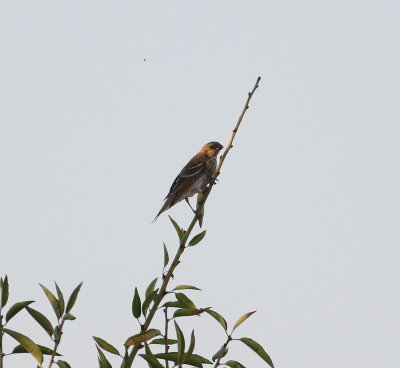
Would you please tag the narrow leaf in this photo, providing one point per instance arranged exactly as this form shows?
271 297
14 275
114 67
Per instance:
41 319
151 287
105 345
27 343
4 293
166 256
177 228
192 344
69 317
200 208
242 319
57 333
183 287
150 358
181 342
63 364
220 353
103 362
148 300
219 318
16 308
136 305
164 341
197 238
184 300
45 350
142 337
73 297
193 360
255 346
234 364
185 312
60 299
173 305
53 301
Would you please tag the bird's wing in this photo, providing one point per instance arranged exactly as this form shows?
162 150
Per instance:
190 170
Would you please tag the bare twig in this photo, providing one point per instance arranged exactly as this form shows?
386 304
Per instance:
234 131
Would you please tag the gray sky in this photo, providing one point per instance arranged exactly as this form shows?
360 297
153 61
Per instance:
304 224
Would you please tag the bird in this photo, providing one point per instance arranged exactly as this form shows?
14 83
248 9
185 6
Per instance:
194 177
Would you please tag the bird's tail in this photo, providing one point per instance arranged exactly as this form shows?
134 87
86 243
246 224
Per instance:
166 205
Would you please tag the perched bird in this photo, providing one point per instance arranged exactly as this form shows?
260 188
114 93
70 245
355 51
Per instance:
194 177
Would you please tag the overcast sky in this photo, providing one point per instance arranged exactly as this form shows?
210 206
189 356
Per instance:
103 102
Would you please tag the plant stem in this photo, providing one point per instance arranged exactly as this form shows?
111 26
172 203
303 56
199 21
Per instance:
166 335
57 340
1 340
161 294
182 243
229 145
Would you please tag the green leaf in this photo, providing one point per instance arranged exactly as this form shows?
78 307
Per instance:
103 362
197 238
16 308
60 299
242 319
192 344
63 364
151 287
183 287
193 360
200 208
164 341
27 343
69 317
4 293
218 317
45 350
220 353
148 300
142 337
173 305
181 342
151 359
106 346
73 297
166 256
53 301
184 300
136 305
41 319
179 231
234 364
57 333
185 312
256 347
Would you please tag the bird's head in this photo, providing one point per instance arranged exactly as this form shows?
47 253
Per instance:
211 149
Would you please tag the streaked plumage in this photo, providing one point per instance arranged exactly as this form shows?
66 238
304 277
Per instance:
194 177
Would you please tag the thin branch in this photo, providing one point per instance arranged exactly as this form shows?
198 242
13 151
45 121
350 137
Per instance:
182 243
204 195
57 340
234 131
166 335
1 339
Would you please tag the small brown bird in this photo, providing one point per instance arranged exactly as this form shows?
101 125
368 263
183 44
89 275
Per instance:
194 177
